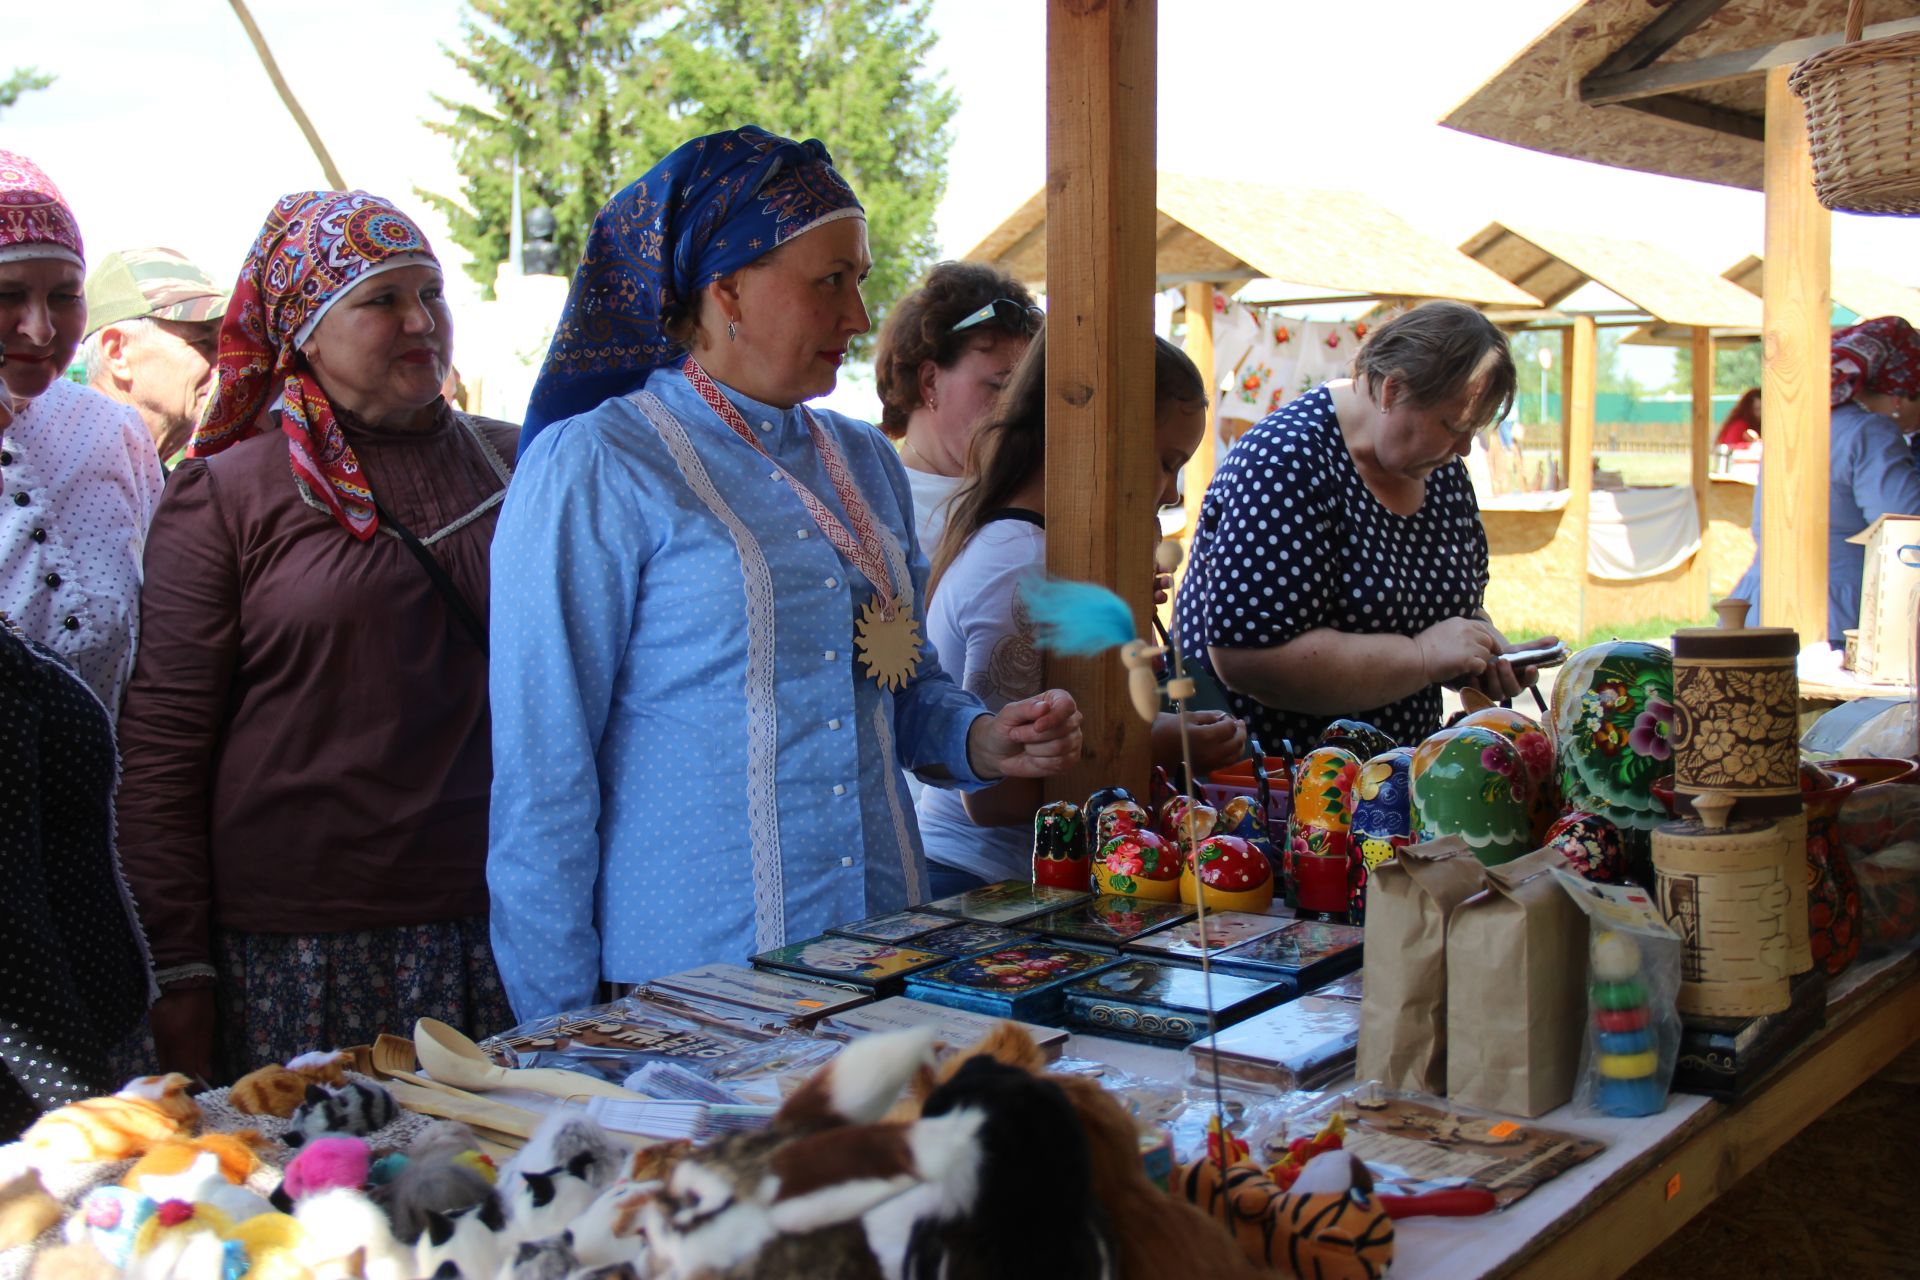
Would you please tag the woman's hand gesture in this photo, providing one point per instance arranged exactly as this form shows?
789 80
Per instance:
1035 737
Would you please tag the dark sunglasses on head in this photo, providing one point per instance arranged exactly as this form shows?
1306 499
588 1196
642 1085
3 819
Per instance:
1008 314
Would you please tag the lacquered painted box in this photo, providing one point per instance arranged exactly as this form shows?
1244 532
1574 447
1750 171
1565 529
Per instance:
1024 982
1163 1004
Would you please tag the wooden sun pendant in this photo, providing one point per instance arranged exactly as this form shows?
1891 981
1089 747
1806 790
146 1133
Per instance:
889 647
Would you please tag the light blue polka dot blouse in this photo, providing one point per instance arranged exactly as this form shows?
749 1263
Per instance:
689 763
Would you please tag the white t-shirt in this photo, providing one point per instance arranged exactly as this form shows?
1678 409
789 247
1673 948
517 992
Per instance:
931 493
79 482
986 645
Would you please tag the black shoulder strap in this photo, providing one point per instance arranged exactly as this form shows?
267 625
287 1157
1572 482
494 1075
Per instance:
449 590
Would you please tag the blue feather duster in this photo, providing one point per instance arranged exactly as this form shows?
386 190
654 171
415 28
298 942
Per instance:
1076 618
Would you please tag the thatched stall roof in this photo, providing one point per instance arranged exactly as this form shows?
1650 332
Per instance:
1865 293
1551 264
1675 88
1223 231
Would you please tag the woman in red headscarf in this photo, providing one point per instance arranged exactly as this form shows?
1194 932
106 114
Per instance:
1875 370
306 738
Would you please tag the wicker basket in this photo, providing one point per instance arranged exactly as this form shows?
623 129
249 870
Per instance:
1863 120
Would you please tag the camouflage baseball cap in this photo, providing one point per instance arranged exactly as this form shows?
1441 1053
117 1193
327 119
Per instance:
156 282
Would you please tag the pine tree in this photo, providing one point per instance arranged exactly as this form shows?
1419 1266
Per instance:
592 92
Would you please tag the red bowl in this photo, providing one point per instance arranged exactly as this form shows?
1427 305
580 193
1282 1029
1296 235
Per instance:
1873 770
1822 787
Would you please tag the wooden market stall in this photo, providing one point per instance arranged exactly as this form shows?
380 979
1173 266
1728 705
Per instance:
1698 89
1540 550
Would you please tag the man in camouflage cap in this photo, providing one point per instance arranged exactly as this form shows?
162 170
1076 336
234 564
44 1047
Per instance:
153 326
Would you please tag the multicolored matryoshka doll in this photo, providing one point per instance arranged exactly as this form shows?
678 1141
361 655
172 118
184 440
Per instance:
1243 817
1470 782
1185 820
1591 845
1382 822
1092 812
1233 874
1060 856
1356 736
1612 712
1115 819
1139 864
1536 753
1322 825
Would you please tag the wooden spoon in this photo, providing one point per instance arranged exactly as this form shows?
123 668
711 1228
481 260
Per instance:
452 1058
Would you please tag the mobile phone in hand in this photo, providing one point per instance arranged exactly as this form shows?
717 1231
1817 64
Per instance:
1548 656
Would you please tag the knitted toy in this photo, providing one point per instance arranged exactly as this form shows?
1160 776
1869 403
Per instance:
150 1109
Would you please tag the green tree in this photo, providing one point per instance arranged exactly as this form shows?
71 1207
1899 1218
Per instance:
589 93
1735 369
24 80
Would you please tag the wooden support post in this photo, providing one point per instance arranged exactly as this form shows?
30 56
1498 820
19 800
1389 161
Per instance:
1700 571
1200 468
1100 281
1566 407
1579 391
1796 305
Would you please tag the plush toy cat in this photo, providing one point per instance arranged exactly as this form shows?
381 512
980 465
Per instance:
551 1258
270 1091
341 1223
787 1200
26 1209
354 1109
149 1110
436 1183
471 1241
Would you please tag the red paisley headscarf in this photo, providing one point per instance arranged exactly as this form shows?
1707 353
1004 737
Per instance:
35 221
315 247
1880 355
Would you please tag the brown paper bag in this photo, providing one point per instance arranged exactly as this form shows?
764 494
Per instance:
1403 1004
1516 990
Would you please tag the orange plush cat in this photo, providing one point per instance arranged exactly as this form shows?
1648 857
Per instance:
148 1111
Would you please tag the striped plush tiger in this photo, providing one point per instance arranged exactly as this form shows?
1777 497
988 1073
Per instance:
1325 1235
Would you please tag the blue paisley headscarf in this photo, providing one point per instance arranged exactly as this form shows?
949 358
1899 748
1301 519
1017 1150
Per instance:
714 205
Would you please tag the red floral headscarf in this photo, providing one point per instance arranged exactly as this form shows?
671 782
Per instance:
35 221
315 247
1880 355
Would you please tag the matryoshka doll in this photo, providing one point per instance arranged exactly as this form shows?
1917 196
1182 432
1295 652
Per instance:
1060 846
1117 818
1591 845
1139 864
1242 816
1322 825
1232 873
1356 736
1470 782
1536 753
1612 712
1382 822
1097 804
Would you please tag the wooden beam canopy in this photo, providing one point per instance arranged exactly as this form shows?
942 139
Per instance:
1604 87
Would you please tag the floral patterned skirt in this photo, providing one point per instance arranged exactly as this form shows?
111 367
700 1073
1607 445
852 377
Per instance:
280 995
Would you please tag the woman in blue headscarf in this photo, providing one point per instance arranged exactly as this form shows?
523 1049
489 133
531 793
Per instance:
708 669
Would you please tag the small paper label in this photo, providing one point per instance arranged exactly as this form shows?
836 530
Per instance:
811 1004
1673 1186
1505 1129
1619 906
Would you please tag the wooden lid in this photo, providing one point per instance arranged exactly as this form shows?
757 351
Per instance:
1748 642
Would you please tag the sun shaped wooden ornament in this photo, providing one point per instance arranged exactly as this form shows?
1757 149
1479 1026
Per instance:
888 641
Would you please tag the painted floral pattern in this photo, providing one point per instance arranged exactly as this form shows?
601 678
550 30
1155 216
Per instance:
1735 728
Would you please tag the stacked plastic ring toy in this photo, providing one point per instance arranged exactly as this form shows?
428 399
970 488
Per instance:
1626 1057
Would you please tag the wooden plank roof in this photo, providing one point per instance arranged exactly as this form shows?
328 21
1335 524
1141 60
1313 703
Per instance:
1224 230
1865 293
1551 264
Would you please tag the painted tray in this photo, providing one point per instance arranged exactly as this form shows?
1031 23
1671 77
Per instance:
1008 902
1110 920
798 1001
877 967
894 926
966 939
1162 1003
1024 982
954 1029
1307 953
1224 929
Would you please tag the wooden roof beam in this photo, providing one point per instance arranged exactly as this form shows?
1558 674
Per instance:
1675 109
1598 90
1675 23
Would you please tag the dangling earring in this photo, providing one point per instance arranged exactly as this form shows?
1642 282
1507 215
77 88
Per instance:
733 330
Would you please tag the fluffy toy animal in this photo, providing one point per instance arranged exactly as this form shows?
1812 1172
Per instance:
548 1259
471 1241
1340 1233
270 1091
26 1210
236 1156
787 1200
323 1165
439 1182
612 1230
149 1110
342 1223
323 1066
354 1109
1031 1209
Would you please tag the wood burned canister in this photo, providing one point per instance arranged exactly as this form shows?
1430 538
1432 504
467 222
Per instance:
1800 877
1723 888
1736 726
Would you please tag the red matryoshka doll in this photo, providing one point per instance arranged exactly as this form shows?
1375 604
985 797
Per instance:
1117 818
1060 856
1591 845
1138 864
1322 822
1232 873
1185 820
